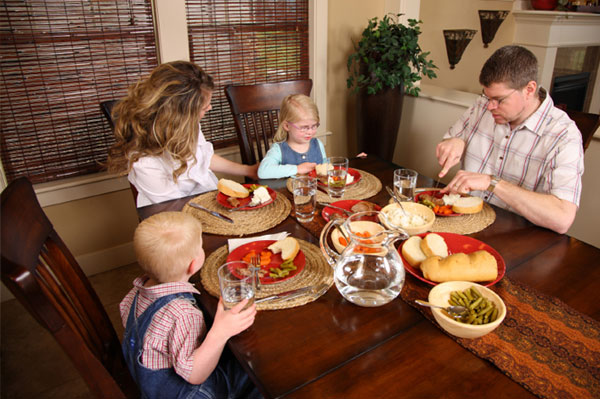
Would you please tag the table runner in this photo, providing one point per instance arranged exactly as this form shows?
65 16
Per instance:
543 344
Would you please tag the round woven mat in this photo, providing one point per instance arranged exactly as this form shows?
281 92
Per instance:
464 224
316 271
366 187
244 222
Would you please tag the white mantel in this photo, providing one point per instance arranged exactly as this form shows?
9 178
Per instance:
543 32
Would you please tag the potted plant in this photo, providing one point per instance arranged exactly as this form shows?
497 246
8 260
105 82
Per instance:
387 62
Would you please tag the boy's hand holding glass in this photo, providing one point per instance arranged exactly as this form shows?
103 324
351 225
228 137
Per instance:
231 322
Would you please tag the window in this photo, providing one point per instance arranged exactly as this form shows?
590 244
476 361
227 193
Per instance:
58 61
245 42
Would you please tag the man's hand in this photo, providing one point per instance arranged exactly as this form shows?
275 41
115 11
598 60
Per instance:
448 153
306 167
464 182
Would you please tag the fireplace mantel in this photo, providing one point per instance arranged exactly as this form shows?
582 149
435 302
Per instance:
543 32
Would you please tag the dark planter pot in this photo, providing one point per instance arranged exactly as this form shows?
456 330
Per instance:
378 119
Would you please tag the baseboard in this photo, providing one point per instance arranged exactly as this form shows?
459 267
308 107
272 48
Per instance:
94 263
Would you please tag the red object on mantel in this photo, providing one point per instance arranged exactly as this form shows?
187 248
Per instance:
547 5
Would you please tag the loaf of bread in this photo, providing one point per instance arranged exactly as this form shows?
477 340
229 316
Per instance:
468 205
476 266
411 250
232 188
289 248
434 245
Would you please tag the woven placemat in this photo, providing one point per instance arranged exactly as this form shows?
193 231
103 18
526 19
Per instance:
464 224
245 222
316 271
366 187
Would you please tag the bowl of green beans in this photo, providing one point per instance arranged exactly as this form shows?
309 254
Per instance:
485 309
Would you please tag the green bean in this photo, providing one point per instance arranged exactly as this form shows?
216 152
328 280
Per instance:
480 309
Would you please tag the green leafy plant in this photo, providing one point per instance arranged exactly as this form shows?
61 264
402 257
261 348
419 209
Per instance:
388 55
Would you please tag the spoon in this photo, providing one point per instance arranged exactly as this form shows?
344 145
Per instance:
454 311
391 193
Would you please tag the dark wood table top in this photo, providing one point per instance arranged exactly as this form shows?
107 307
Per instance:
332 348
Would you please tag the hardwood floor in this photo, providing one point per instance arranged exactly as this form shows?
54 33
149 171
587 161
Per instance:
31 362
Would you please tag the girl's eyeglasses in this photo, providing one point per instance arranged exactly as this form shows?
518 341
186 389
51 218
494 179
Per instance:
306 128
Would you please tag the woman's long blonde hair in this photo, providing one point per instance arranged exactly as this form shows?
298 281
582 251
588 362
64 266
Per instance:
160 115
295 107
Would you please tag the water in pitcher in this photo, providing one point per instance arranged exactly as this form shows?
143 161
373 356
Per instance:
368 280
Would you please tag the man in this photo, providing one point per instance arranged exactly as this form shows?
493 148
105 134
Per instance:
518 151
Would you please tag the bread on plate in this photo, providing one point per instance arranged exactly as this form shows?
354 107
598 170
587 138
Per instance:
476 266
468 205
434 245
289 248
412 252
232 188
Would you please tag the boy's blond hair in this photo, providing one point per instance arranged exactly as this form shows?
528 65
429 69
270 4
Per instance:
294 107
166 243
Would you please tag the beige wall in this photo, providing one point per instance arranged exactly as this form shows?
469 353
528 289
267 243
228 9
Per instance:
347 20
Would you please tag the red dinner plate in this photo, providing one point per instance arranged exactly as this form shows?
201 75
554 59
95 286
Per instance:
222 199
436 194
458 243
323 179
346 204
258 246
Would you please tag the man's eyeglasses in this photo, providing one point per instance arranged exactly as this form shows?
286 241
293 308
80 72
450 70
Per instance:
497 101
306 128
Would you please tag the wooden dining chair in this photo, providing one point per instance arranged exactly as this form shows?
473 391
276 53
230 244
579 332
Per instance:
255 110
43 275
587 123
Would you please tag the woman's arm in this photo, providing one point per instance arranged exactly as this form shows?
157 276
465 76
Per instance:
219 164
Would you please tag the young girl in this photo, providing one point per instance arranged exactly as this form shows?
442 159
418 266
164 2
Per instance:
295 150
159 142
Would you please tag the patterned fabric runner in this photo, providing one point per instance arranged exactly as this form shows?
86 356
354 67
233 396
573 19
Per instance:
543 344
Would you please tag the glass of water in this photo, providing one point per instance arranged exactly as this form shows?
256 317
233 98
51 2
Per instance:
337 170
237 283
305 197
405 182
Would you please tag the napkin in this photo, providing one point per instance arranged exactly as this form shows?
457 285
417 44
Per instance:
233 243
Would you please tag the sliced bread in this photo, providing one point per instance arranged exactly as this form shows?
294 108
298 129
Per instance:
468 205
232 188
412 252
434 245
289 248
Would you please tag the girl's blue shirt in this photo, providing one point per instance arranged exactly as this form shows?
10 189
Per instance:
281 161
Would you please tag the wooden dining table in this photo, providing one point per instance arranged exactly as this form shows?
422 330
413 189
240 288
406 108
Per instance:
331 348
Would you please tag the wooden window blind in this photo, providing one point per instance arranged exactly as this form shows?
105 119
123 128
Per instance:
245 42
58 60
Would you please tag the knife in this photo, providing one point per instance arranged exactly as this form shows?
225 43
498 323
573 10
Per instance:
326 205
312 289
217 214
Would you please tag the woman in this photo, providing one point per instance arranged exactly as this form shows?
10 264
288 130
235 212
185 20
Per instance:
159 142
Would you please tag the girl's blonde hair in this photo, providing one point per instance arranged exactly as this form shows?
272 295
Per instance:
166 243
160 115
294 108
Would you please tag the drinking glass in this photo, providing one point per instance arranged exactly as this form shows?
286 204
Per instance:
237 283
305 197
405 182
337 170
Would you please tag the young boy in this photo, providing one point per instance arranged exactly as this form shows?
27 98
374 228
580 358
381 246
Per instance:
163 325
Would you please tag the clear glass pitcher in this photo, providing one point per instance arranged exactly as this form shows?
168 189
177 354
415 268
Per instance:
368 270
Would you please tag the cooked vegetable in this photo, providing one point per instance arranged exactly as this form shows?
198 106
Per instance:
480 309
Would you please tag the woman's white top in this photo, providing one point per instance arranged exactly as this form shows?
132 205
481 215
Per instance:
152 176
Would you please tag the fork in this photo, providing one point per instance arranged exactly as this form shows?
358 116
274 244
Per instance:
255 260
